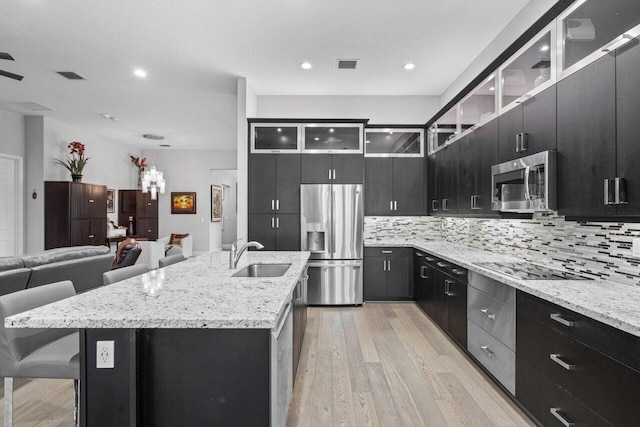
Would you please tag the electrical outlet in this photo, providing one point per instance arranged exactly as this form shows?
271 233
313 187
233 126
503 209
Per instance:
104 354
636 247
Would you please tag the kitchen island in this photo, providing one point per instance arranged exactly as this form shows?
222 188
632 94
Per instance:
192 344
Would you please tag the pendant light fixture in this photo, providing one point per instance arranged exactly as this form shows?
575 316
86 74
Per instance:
153 179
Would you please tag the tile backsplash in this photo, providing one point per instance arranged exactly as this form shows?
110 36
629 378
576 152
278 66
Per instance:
596 249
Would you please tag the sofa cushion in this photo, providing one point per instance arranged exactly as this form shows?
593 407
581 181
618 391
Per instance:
85 273
63 254
10 263
14 280
176 238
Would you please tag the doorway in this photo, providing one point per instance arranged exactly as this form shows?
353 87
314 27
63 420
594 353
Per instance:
11 208
223 233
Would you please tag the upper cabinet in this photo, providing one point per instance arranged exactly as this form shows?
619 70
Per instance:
394 142
444 130
275 138
592 28
332 137
480 105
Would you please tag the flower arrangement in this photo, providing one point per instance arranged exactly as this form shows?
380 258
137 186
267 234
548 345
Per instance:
140 164
76 163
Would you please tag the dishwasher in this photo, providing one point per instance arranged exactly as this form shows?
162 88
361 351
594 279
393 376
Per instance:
281 371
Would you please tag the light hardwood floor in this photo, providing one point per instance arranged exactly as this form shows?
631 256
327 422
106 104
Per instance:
383 364
387 364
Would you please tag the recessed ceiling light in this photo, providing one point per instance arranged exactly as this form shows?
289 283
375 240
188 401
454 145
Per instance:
306 65
544 48
409 66
139 72
109 117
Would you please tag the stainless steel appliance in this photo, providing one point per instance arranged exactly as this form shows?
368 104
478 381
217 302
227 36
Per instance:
528 271
527 184
281 371
332 222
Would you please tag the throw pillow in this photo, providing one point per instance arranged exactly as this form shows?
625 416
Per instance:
176 238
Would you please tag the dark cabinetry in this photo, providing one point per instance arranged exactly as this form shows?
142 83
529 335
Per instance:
75 214
441 291
529 127
565 354
443 189
478 152
332 169
143 209
387 274
299 303
394 186
279 232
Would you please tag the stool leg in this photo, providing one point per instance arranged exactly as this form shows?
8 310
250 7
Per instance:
8 401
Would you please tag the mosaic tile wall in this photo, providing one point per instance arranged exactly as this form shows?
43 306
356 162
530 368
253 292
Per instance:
599 250
403 227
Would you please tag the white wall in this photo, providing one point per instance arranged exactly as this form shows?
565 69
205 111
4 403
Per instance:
224 232
34 182
12 133
188 170
378 109
516 27
247 107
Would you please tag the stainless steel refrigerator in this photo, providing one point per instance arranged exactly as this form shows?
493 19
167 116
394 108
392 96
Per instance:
332 222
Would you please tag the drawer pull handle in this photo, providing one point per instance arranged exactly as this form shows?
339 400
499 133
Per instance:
490 353
387 252
489 315
447 288
558 318
442 264
429 259
560 417
458 272
423 275
558 359
419 255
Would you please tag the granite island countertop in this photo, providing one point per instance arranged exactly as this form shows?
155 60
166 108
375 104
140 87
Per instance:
196 293
612 303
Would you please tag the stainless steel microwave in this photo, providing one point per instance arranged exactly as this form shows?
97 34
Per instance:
527 184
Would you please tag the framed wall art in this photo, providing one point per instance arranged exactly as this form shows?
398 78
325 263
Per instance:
111 193
183 202
216 203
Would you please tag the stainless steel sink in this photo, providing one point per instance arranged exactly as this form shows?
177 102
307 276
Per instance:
262 270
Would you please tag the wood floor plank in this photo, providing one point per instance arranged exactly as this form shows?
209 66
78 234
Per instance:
322 414
300 410
365 409
365 336
343 407
385 407
357 371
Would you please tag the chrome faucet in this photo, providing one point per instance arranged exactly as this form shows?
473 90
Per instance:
235 254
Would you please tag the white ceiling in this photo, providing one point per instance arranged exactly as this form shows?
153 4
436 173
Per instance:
194 50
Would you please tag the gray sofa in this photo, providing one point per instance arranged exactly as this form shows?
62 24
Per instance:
83 265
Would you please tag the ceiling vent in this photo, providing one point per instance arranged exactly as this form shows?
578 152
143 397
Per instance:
70 75
31 106
153 137
165 145
347 64
5 55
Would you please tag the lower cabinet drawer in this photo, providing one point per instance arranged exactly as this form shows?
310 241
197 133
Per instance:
493 355
498 290
549 403
606 386
495 317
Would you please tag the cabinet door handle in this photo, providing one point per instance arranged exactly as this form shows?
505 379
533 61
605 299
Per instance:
277 222
273 205
616 42
422 272
607 195
91 236
149 204
390 205
419 255
277 204
389 265
386 252
517 141
620 195
433 205
488 313
384 265
560 417
91 201
334 174
458 272
429 259
523 98
566 365
273 223
490 353
445 204
447 287
395 205
329 174
442 264
558 318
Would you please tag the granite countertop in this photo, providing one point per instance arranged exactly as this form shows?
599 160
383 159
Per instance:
612 303
196 293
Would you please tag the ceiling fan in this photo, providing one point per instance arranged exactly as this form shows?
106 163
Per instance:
5 55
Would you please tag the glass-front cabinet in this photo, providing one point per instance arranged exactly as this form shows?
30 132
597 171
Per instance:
444 130
394 142
596 27
332 137
275 138
528 72
480 105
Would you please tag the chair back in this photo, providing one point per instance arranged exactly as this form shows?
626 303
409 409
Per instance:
123 273
127 254
164 262
16 343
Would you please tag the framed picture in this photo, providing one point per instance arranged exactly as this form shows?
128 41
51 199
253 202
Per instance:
111 208
216 203
183 202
